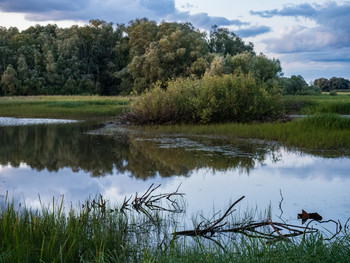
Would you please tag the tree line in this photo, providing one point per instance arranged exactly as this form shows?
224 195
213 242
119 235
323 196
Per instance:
331 84
106 59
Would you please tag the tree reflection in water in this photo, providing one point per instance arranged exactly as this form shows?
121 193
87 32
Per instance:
54 147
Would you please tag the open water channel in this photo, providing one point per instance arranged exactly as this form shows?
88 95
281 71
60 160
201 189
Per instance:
82 159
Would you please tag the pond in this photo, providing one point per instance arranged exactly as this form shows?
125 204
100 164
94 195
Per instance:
79 160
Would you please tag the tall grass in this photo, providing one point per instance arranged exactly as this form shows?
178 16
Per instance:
94 234
50 235
63 106
317 104
316 132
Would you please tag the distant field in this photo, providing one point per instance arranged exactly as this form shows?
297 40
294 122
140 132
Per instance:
63 106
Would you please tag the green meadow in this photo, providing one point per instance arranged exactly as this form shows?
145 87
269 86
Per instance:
70 107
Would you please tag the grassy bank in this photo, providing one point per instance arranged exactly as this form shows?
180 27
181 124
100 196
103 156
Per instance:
97 106
324 103
96 233
70 107
318 132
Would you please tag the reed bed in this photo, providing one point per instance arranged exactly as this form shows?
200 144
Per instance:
315 132
141 231
325 103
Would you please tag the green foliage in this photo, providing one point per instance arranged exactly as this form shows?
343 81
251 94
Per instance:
100 58
175 50
334 83
97 233
224 42
63 106
9 81
293 85
50 235
333 93
262 68
323 131
310 90
49 60
307 104
323 83
210 99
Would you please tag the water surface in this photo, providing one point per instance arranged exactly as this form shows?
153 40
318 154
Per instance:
77 160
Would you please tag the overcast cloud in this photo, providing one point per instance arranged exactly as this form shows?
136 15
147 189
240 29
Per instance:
117 11
332 30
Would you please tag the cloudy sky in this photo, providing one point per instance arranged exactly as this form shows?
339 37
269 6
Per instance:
310 38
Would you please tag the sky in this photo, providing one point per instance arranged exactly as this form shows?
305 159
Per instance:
310 38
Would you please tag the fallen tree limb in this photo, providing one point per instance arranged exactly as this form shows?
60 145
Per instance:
267 229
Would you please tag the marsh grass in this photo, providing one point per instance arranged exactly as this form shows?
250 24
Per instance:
63 106
317 104
97 233
316 132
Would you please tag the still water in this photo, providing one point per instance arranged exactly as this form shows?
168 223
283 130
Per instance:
81 160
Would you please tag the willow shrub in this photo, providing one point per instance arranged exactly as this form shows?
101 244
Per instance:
210 99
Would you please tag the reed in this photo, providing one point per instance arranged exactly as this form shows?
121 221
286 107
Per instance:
316 132
96 233
317 104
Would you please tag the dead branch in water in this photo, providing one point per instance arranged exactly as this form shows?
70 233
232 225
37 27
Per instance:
267 229
153 202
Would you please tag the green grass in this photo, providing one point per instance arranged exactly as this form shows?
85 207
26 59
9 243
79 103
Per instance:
339 104
62 106
98 235
317 132
96 106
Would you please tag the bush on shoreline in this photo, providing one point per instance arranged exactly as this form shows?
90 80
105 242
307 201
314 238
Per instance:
238 98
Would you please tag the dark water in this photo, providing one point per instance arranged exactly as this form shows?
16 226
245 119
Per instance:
79 160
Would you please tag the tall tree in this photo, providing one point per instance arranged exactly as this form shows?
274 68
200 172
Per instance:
323 84
224 42
9 81
177 51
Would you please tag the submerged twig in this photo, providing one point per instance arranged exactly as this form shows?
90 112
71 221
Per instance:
280 204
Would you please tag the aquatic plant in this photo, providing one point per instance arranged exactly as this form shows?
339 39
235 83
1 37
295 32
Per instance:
314 132
134 232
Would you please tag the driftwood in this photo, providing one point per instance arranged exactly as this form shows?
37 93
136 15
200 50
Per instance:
266 229
212 229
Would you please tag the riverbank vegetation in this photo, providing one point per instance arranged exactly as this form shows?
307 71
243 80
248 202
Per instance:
69 107
325 103
142 230
316 132
239 98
